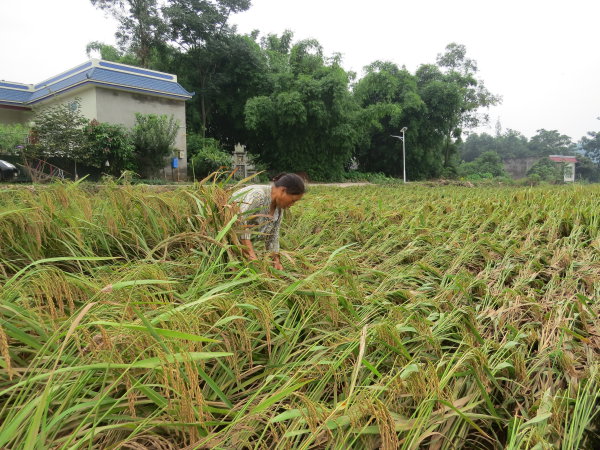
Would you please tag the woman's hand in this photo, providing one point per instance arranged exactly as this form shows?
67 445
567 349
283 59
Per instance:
277 262
248 249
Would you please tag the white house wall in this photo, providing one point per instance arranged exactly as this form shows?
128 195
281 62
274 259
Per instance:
569 173
116 106
13 116
87 96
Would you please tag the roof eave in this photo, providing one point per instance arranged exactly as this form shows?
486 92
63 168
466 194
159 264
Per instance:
154 92
113 85
6 104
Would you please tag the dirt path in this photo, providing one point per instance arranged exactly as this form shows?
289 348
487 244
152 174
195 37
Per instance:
360 183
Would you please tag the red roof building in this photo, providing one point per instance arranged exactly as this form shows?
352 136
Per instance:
569 168
563 159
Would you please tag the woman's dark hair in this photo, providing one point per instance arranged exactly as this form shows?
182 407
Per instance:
293 184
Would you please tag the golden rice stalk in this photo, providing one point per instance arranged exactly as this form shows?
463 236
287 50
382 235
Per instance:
4 352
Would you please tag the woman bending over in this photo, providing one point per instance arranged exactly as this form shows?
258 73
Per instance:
262 210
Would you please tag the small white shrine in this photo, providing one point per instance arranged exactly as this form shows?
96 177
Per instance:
242 164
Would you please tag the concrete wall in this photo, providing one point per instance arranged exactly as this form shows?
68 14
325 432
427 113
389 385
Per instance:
87 96
569 172
518 167
120 107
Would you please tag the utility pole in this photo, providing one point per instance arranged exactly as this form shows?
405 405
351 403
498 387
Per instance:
403 130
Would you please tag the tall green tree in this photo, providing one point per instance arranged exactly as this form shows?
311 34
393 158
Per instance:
477 144
304 124
460 74
591 146
111 53
510 144
586 169
239 71
193 23
436 104
388 100
201 32
141 27
277 50
551 142
476 97
443 97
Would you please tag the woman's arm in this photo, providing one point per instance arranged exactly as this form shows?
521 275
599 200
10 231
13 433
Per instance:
272 243
247 204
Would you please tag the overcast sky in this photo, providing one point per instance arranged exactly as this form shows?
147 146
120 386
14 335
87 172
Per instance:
541 56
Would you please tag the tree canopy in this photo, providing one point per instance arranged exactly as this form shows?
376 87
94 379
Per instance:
304 123
295 107
591 146
141 27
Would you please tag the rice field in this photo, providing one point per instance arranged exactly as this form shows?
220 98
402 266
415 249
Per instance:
407 317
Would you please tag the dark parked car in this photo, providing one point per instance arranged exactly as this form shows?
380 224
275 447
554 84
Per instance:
8 172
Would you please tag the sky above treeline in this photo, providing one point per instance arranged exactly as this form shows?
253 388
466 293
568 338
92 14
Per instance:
541 57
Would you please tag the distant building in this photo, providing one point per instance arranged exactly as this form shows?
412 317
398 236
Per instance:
518 167
109 92
569 166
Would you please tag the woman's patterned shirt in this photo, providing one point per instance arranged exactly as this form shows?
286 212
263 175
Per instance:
255 205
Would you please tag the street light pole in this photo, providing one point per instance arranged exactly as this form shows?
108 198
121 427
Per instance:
403 130
404 154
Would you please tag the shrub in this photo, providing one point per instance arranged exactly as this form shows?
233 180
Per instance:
449 172
153 137
109 143
206 155
485 166
533 179
587 170
546 170
12 136
58 132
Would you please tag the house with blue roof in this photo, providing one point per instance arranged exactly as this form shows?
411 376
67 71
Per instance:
108 92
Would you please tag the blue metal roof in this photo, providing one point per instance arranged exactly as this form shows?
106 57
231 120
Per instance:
64 74
99 73
43 91
137 81
14 85
152 73
14 96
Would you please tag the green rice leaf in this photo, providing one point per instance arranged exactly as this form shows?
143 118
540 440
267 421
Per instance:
160 331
